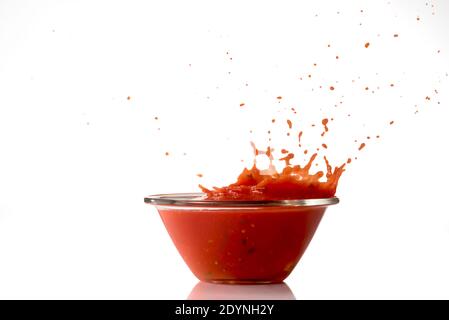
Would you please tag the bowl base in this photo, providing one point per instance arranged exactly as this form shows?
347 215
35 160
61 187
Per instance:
241 282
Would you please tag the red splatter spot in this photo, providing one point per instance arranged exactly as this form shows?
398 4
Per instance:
287 158
324 122
268 152
283 151
289 124
349 161
167 154
199 175
128 98
331 88
324 145
427 98
395 35
367 45
273 120
391 122
279 97
362 146
242 104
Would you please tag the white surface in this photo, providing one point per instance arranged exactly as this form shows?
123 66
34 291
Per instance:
77 157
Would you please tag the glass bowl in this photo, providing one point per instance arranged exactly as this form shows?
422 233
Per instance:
241 242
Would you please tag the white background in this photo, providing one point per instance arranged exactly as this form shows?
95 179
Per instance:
77 157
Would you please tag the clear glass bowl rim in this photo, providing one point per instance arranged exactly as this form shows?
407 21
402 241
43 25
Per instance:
198 200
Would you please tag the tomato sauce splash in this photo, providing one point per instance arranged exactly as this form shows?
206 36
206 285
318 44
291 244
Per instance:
293 182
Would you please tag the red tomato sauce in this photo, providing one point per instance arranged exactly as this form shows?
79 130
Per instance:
252 244
245 245
294 182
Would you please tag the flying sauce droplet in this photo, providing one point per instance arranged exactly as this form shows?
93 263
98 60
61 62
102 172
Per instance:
287 159
324 122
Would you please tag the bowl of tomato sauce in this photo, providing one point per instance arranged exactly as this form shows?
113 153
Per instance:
240 241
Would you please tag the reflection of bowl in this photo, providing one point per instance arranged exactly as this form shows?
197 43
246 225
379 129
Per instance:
212 291
240 241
